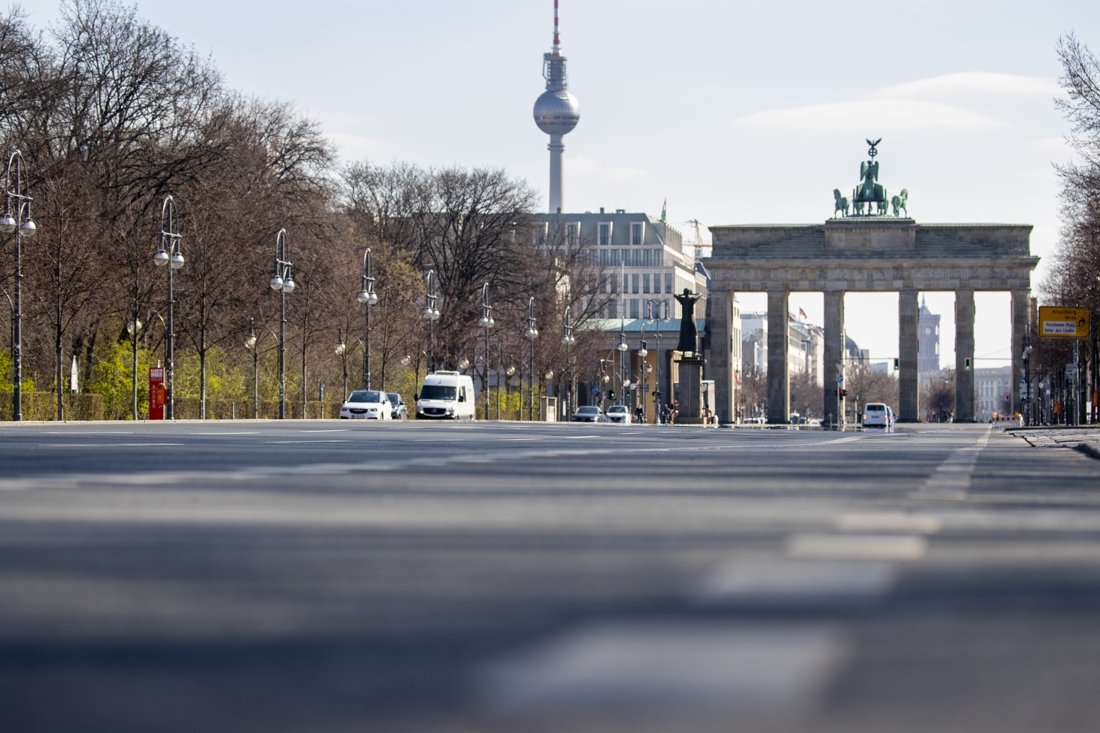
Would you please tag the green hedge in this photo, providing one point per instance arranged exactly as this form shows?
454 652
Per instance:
43 406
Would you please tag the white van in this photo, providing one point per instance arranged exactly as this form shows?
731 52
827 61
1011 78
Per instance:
446 396
878 415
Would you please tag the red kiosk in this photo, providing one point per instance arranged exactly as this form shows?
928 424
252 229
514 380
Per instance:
158 395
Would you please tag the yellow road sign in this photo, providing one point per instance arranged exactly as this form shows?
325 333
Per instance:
1062 322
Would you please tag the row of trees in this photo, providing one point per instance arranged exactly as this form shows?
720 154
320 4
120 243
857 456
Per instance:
111 115
1074 278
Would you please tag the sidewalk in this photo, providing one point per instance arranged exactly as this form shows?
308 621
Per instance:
1085 438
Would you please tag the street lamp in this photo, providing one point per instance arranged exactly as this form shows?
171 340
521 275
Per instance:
250 344
431 312
367 297
642 354
568 340
657 310
531 333
283 283
168 253
486 321
624 381
21 224
132 328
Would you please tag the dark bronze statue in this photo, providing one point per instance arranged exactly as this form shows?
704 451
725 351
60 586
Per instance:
689 334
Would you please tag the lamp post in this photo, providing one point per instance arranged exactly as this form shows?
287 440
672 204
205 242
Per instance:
643 353
283 283
132 328
486 322
342 352
624 382
657 310
431 312
531 333
168 253
250 344
367 297
21 224
568 340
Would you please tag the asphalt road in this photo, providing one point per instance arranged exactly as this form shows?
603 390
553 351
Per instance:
323 576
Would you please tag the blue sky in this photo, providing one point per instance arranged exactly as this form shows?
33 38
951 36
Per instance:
736 112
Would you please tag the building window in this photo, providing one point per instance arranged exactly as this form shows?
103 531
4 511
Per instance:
645 283
614 258
635 279
614 283
637 258
656 282
603 284
612 310
604 236
626 283
541 233
603 258
573 234
634 309
658 258
637 231
668 282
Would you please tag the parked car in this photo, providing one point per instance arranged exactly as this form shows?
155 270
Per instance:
366 404
618 413
446 396
878 415
588 413
397 405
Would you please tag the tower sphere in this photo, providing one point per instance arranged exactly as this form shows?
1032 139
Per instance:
557 112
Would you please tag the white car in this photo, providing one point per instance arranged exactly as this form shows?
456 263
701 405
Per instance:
878 415
367 404
618 413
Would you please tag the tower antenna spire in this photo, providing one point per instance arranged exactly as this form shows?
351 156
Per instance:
557 36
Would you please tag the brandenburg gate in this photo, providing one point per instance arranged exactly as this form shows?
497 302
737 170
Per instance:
865 249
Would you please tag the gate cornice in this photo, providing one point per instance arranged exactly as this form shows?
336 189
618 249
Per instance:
876 255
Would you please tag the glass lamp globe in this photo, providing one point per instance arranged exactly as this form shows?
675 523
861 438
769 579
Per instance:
177 261
7 224
161 258
276 283
289 285
363 297
250 342
643 352
435 314
623 346
29 228
483 321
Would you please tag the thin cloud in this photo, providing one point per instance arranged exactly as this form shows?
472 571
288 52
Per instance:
887 115
970 83
591 168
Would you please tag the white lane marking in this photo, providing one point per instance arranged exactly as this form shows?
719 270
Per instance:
300 442
857 547
692 670
797 583
889 522
952 478
106 445
326 430
84 432
512 440
250 432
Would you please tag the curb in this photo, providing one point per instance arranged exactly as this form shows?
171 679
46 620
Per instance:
1088 449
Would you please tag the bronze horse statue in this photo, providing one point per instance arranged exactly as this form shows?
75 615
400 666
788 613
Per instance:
900 203
841 203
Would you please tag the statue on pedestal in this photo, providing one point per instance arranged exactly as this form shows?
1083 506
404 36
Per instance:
689 334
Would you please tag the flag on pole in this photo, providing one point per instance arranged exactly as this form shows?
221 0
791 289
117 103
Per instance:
74 384
801 314
664 211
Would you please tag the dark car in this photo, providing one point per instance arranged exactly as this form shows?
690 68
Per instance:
400 412
588 414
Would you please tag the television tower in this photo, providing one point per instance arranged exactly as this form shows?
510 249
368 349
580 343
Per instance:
557 112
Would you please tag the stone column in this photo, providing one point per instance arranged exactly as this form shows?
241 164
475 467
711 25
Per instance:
908 346
779 389
720 330
1020 308
833 357
964 350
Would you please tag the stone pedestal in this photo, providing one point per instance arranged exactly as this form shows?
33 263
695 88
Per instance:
691 391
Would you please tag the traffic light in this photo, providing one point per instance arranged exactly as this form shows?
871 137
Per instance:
897 364
611 394
843 393
966 364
